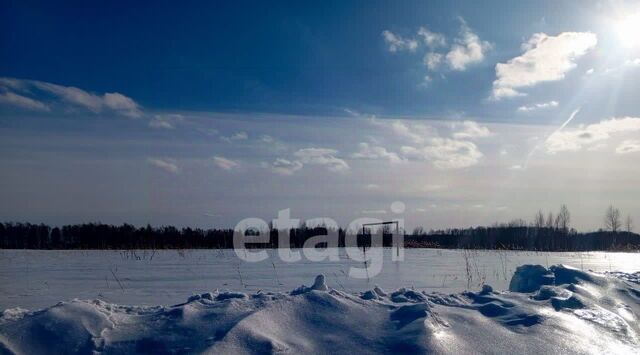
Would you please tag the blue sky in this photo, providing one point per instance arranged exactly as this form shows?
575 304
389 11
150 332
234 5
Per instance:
205 113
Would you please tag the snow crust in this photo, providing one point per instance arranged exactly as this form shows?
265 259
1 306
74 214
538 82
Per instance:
555 310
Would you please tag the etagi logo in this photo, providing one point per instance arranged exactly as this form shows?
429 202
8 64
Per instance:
256 231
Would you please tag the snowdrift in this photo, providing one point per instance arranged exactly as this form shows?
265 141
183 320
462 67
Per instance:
555 310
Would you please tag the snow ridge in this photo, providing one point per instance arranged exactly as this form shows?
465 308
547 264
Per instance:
555 310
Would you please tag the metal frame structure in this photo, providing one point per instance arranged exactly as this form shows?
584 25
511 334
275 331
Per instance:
364 225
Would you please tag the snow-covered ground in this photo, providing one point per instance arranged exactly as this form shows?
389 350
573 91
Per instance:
35 279
548 311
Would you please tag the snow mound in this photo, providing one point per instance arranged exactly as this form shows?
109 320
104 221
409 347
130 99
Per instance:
529 278
555 310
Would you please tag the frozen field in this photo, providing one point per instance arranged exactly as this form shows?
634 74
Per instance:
35 279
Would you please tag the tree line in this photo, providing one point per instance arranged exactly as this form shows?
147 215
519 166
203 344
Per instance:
545 233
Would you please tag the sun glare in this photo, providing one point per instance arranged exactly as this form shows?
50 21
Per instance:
628 30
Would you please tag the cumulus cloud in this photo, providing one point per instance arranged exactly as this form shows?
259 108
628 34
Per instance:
322 156
224 163
575 139
545 58
467 49
432 39
470 129
11 99
395 43
433 60
370 152
446 153
168 165
239 136
73 96
414 132
423 142
538 106
628 146
285 167
166 121
308 156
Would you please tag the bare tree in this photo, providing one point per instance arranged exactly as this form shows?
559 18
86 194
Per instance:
612 219
563 219
629 224
550 220
538 220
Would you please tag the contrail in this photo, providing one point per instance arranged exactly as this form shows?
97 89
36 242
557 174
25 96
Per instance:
573 114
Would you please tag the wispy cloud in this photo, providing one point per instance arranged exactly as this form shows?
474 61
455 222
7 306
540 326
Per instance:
11 99
396 43
585 137
433 60
224 163
168 165
309 156
322 156
34 90
432 39
371 152
628 146
469 130
545 58
285 167
446 153
166 121
423 142
538 106
239 136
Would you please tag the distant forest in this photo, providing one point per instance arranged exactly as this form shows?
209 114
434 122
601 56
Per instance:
515 236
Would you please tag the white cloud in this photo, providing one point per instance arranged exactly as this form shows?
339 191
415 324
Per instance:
414 132
322 156
467 49
224 163
396 43
446 153
367 151
115 102
285 167
538 106
470 129
433 60
432 39
628 146
166 121
575 139
426 144
266 139
371 187
9 98
239 136
122 104
71 95
168 165
309 156
545 58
